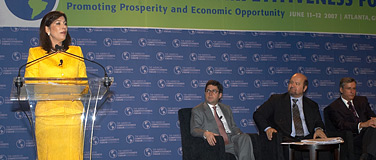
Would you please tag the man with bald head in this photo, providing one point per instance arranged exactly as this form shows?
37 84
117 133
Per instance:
291 114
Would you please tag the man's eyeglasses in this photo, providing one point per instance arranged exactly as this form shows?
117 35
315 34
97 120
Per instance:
211 91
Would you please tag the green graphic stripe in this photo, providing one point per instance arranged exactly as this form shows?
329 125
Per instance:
342 16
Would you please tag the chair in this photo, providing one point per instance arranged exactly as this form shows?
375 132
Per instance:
195 148
271 150
347 148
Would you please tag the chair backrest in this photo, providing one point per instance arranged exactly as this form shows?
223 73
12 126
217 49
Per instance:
185 131
185 121
329 126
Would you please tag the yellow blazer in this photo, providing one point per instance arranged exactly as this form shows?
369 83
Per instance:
72 67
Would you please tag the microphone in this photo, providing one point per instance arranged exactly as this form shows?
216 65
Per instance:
61 62
18 82
106 83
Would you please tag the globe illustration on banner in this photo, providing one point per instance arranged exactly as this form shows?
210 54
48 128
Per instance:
31 9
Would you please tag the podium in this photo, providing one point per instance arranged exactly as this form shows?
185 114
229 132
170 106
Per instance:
60 103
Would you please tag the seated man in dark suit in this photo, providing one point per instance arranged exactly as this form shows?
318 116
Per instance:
353 113
293 115
212 118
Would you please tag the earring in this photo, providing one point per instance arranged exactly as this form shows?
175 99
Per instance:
48 33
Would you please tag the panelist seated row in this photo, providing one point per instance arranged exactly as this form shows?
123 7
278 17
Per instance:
291 115
297 117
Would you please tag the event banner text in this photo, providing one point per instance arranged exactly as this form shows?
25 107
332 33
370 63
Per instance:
341 16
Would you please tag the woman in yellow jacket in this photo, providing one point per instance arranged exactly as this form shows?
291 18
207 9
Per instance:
58 127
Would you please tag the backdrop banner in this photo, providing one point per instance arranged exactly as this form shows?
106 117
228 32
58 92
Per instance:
161 53
158 71
340 16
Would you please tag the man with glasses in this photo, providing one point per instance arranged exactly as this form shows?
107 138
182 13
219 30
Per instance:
212 118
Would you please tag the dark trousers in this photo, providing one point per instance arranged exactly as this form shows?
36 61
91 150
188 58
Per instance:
365 142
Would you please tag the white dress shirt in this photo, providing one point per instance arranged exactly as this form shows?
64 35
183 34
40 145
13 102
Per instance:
221 116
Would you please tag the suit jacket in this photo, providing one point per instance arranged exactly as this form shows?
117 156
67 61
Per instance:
202 119
343 119
276 113
48 67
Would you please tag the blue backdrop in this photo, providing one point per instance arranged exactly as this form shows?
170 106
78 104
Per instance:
159 71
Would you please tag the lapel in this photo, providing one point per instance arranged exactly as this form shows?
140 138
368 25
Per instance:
307 112
212 124
286 104
356 105
225 113
343 106
208 112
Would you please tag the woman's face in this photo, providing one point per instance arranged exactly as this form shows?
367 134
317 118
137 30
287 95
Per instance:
57 31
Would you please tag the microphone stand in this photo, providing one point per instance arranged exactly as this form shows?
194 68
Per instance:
18 81
106 82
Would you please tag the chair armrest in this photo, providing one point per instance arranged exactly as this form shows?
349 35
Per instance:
256 143
265 149
201 149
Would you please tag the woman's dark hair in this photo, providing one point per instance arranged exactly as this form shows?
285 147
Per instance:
45 41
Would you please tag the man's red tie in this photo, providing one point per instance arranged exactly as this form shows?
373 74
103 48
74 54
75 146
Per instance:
352 109
221 128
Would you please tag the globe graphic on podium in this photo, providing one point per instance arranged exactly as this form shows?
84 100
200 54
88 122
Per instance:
31 9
